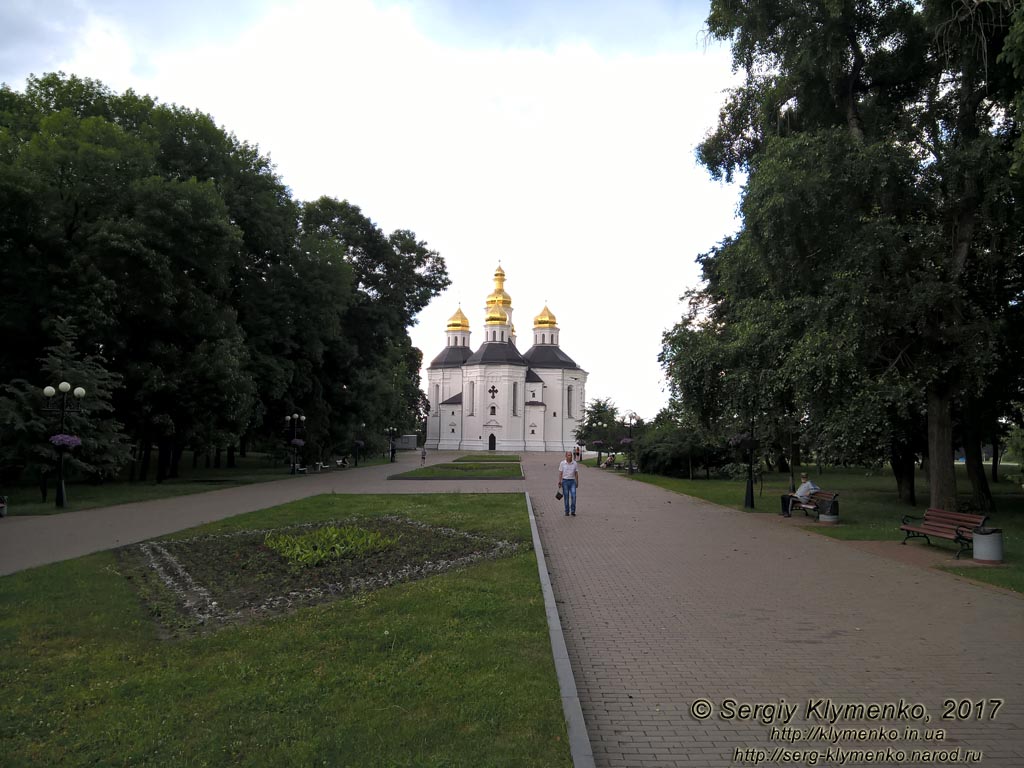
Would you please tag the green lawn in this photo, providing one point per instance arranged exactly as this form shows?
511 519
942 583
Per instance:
869 510
255 468
478 458
464 471
451 670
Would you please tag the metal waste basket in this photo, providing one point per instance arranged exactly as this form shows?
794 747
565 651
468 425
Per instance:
988 545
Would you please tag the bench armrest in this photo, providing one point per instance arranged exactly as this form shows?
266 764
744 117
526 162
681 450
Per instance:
908 518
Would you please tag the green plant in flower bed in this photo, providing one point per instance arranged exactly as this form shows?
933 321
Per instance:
464 471
478 458
452 670
327 543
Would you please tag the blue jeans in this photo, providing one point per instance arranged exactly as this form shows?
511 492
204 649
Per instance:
569 491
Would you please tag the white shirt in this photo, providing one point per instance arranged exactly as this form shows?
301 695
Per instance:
806 489
568 469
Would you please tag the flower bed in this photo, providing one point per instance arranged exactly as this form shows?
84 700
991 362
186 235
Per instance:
218 579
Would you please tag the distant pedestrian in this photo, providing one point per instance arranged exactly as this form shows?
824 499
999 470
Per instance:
576 454
568 481
394 450
423 456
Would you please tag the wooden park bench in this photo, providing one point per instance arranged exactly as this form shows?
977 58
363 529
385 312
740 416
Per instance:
820 503
955 526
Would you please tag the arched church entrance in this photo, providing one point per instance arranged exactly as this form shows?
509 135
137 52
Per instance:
491 442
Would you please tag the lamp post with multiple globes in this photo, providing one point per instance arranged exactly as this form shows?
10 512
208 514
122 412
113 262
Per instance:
61 440
298 424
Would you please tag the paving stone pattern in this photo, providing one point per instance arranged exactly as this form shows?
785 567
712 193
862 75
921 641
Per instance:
665 600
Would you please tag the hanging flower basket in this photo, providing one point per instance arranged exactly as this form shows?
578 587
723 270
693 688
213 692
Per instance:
66 441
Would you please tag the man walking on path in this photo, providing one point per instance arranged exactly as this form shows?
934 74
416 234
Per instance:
568 481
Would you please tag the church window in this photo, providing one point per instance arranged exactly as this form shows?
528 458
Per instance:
515 398
543 338
533 431
471 390
502 335
568 399
437 395
494 410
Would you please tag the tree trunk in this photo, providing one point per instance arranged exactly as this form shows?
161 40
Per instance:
216 458
176 452
43 486
134 462
231 456
995 455
941 472
981 495
243 446
903 461
163 459
147 454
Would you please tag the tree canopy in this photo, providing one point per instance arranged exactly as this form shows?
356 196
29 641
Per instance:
180 263
871 300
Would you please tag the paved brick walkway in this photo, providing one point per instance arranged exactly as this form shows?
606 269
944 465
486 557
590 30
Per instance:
26 542
666 599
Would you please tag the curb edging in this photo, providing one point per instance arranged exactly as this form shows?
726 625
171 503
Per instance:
579 741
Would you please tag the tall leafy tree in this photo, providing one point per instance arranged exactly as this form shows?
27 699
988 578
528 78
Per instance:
875 137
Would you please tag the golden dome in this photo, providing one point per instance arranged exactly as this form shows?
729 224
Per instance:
498 296
545 319
496 316
458 321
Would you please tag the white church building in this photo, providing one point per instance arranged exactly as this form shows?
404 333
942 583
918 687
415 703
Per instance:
497 398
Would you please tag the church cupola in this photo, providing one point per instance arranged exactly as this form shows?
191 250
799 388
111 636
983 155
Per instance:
545 328
457 329
498 320
497 326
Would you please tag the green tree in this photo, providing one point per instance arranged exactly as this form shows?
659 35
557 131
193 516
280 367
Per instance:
878 185
27 425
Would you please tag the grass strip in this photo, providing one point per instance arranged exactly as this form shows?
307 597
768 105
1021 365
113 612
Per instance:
477 458
463 471
25 499
451 670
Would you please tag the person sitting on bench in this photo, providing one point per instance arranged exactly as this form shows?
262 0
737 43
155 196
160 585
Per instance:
803 495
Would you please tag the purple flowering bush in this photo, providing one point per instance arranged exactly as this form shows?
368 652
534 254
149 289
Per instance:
67 441
298 442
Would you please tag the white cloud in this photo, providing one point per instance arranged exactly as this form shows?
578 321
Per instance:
572 167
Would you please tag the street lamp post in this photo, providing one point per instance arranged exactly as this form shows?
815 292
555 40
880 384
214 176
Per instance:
630 417
357 444
391 443
602 426
62 440
298 424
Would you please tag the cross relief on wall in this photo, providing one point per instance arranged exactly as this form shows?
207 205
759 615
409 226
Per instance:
493 391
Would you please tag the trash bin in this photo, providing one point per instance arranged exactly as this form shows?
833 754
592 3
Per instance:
988 545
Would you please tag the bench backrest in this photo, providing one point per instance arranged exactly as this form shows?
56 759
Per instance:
824 495
951 521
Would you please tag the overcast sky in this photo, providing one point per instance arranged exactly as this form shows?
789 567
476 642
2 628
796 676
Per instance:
554 137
